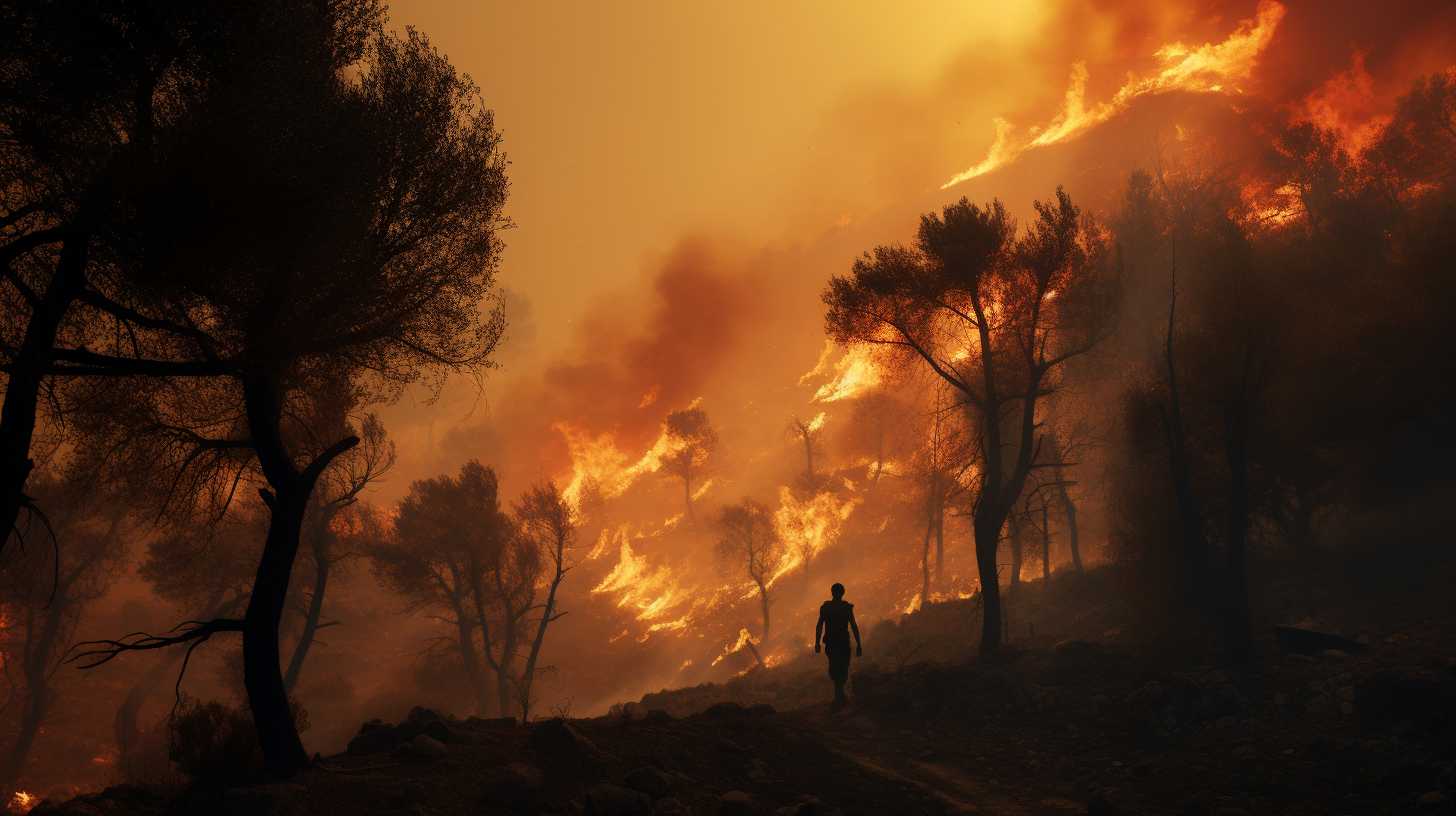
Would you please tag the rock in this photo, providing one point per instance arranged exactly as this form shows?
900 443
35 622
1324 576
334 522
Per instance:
422 715
425 746
558 744
615 800
1299 640
375 737
283 799
650 781
735 803
516 784
725 710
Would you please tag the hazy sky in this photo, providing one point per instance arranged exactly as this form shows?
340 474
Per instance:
630 123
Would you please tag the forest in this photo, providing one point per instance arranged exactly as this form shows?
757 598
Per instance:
1129 440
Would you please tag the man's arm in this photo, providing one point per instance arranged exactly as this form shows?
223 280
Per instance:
818 630
854 627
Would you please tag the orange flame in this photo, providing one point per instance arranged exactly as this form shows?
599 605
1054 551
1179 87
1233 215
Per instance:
808 527
23 802
597 458
854 373
1208 68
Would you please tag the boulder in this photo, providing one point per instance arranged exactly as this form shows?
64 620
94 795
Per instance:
650 781
558 744
425 746
375 737
615 800
516 785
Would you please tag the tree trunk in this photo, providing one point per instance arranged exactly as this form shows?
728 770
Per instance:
763 599
283 753
1190 516
1069 508
987 524
528 674
322 567
1014 524
1237 596
940 542
1046 545
36 664
687 481
37 703
470 658
925 565
27 371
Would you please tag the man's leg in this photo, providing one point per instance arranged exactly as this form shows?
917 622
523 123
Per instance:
839 672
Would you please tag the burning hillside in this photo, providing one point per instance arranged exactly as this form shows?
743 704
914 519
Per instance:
1156 289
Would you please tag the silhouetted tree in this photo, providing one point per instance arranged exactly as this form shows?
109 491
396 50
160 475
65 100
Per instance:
995 317
357 242
339 491
447 534
546 521
693 442
46 588
807 434
750 546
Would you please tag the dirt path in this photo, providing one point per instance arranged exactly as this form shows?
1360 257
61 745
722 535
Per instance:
921 761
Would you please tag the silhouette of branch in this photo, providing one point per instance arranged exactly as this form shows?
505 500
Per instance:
193 632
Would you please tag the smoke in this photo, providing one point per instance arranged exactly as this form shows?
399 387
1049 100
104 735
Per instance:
731 322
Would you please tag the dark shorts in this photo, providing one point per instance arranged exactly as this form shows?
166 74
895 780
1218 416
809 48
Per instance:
838 653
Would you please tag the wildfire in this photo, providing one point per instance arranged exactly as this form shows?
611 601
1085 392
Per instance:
745 641
598 459
808 527
1208 68
23 802
652 591
854 373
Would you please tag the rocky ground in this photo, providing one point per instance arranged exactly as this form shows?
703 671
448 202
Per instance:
1073 720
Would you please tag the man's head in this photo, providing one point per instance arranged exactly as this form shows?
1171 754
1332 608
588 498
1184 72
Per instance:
837 591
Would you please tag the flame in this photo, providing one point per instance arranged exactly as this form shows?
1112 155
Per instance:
855 372
744 640
808 527
817 422
1208 68
23 802
598 458
652 591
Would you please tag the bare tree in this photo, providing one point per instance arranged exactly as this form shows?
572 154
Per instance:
750 546
693 442
995 317
807 434
547 520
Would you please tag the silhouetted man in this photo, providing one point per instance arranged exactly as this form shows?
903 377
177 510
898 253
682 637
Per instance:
836 621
